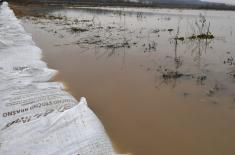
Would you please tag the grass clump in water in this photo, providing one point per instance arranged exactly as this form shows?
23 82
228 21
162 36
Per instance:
179 38
78 30
202 29
202 36
172 75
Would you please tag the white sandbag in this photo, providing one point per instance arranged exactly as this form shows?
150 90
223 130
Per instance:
38 117
75 131
21 72
23 104
20 57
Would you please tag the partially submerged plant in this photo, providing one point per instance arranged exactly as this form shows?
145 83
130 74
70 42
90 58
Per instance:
177 35
150 47
206 36
171 75
202 36
179 38
78 30
201 29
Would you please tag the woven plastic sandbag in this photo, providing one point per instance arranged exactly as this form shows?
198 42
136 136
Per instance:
39 117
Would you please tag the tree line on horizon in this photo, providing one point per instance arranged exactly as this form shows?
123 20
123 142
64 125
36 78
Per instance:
196 4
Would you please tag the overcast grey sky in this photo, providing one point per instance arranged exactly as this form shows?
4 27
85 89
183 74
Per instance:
223 1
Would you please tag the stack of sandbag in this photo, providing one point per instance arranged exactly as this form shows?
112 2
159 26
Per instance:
39 117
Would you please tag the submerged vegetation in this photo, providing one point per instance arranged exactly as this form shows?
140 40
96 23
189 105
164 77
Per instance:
172 75
77 30
117 37
200 30
202 36
179 38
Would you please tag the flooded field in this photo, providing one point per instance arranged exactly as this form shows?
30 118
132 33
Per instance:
162 81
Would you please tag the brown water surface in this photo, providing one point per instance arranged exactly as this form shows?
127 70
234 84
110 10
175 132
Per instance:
155 95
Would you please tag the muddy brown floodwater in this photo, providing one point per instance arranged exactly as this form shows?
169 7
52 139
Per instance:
157 90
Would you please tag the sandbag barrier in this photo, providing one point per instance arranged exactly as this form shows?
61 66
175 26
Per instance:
39 117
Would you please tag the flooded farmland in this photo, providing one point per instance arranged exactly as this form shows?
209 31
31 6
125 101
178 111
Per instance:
162 81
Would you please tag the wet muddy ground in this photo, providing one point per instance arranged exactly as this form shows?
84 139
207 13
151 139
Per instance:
162 81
